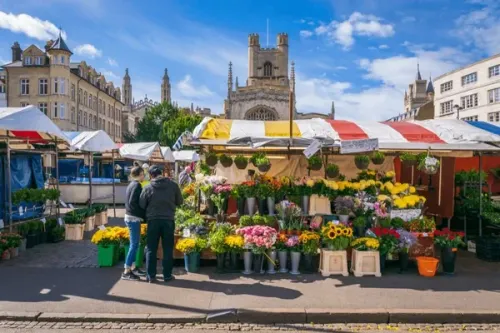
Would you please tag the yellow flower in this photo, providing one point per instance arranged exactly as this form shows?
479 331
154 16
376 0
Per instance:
382 197
310 183
423 199
186 245
389 185
234 241
390 174
413 189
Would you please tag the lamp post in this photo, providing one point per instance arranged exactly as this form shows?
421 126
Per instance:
458 108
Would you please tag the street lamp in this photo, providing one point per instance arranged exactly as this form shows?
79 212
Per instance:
458 108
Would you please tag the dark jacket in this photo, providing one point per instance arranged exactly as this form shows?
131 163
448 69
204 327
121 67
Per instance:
160 199
132 196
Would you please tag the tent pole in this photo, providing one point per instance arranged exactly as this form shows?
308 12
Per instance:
114 200
480 194
90 179
9 184
57 177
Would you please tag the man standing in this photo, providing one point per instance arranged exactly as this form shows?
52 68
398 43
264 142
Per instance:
160 199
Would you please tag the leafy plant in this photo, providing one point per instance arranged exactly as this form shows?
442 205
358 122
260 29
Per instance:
315 162
495 172
377 157
23 229
20 196
270 221
263 190
359 222
492 217
74 217
332 170
246 221
255 157
225 160
53 194
463 176
57 233
262 160
448 239
362 161
211 159
241 161
258 220
217 237
384 222
408 158
397 223
99 208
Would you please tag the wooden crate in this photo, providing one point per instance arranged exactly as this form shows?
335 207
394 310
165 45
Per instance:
74 231
365 263
333 263
90 223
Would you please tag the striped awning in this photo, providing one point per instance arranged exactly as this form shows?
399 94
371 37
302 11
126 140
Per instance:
487 126
436 134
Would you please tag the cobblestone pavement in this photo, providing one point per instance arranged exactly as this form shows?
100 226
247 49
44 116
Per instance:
20 326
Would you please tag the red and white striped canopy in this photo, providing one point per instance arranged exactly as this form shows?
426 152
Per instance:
435 134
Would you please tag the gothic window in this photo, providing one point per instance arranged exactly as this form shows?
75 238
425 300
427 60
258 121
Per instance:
261 113
268 69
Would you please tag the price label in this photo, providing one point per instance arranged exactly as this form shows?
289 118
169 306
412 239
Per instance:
71 206
186 233
101 227
43 220
21 210
425 234
63 204
336 222
60 221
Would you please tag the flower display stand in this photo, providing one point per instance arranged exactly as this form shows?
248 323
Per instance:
74 231
365 263
90 223
333 263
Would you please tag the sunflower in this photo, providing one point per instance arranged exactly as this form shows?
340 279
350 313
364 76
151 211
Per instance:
345 232
338 231
349 232
331 234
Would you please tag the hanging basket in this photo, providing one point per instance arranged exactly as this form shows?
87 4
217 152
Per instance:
362 165
242 165
378 160
226 162
429 165
315 167
264 167
332 173
211 160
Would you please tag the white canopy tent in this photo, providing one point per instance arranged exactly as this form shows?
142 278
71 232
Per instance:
186 156
167 154
95 141
141 151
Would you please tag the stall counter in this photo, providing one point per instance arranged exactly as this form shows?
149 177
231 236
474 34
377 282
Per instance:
101 193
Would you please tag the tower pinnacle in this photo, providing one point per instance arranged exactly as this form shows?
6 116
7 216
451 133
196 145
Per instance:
166 88
230 80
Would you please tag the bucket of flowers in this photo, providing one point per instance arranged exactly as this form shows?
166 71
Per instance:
217 243
343 207
449 241
234 244
282 249
406 241
310 242
388 242
288 215
219 198
336 238
258 239
107 241
191 248
294 246
365 257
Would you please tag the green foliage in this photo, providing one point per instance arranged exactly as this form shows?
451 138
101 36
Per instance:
258 220
495 172
262 157
263 191
217 237
359 222
99 208
57 233
332 168
362 159
241 161
377 157
225 160
205 169
164 123
74 217
397 223
463 176
246 221
492 217
385 222
408 158
23 229
34 195
315 162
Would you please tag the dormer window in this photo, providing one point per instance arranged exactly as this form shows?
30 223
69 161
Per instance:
39 61
27 61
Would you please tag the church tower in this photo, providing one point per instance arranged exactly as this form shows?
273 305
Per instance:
417 92
127 89
165 88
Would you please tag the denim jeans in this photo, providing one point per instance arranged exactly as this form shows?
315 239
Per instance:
163 229
134 228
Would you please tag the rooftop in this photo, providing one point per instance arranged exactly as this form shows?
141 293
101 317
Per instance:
467 66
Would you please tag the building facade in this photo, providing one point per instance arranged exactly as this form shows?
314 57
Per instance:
3 87
269 89
73 95
473 91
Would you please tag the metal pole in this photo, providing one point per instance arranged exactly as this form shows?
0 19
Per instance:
9 185
90 178
58 208
113 163
480 194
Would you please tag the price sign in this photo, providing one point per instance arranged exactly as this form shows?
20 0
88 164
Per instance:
71 206
101 227
186 233
60 221
63 204
21 210
43 220
312 148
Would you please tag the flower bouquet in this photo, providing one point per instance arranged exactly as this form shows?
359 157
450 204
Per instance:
405 242
295 247
108 242
234 245
343 207
449 241
192 248
388 242
336 236
258 239
219 199
365 244
288 215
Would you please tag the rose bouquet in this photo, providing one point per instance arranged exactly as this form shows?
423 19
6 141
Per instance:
448 239
258 238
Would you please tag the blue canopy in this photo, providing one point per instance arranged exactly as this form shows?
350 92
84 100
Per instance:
487 126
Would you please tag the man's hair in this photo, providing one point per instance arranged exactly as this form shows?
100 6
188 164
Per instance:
136 171
155 171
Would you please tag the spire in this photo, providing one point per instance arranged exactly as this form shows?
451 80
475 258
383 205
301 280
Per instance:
419 77
165 76
230 80
430 87
126 73
332 111
236 83
60 44
166 93
292 75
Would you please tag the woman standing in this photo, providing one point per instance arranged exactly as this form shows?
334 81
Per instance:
134 214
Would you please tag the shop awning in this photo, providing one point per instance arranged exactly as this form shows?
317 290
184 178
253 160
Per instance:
167 154
436 134
142 151
96 141
29 124
487 126
186 156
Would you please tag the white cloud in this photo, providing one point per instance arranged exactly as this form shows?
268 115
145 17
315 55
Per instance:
306 33
341 68
88 50
357 24
383 47
112 62
32 27
408 19
186 88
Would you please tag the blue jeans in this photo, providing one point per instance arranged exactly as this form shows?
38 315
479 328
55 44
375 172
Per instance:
134 228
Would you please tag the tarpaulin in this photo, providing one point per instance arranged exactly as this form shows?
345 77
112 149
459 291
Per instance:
95 141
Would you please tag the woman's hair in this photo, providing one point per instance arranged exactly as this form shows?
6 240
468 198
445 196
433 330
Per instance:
136 164
136 172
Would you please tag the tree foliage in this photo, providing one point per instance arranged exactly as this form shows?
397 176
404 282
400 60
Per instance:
164 123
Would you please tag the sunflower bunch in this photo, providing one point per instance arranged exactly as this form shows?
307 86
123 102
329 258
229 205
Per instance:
336 236
366 244
310 242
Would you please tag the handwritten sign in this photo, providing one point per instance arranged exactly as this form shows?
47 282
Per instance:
312 148
358 146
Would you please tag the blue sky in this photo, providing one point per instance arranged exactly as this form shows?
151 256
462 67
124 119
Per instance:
360 53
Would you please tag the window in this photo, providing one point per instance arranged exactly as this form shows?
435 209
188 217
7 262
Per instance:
95 123
99 124
63 60
471 118
73 115
27 61
109 110
261 114
85 98
62 113
38 61
43 107
85 119
268 69
23 104
446 107
494 71
469 101
59 86
25 86
494 95
100 106
56 113
80 118
447 86
95 103
2 88
90 101
109 127
494 116
62 86
73 92
80 95
469 78
43 86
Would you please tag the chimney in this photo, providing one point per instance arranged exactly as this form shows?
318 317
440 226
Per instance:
16 52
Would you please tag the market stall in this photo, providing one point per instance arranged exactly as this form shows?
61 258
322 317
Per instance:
89 189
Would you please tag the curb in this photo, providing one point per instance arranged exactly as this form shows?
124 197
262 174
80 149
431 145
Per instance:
275 316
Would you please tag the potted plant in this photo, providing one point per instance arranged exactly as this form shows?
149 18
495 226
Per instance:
295 248
315 163
245 221
275 192
362 161
429 165
359 225
241 162
377 157
225 160
191 248
258 239
310 242
100 214
211 159
406 241
263 164
217 243
388 242
343 207
365 257
23 230
234 245
107 241
408 159
89 214
13 241
448 241
55 232
336 238
33 236
332 170
219 199
4 250
74 225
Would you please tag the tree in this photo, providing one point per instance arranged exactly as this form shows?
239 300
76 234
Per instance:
164 123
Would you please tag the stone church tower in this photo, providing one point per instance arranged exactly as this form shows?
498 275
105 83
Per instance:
127 89
166 88
419 92
266 95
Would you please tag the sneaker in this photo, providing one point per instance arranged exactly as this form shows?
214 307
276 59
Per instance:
150 280
169 278
130 276
139 272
